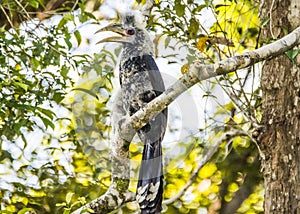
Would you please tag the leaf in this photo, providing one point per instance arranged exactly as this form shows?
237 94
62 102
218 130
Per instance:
69 17
82 200
292 54
47 122
201 44
185 68
34 3
62 22
26 210
190 58
34 63
88 14
199 8
207 170
264 21
233 187
67 211
46 112
111 55
18 125
69 197
21 85
78 37
69 44
58 97
208 2
194 27
179 8
167 41
64 71
61 204
86 91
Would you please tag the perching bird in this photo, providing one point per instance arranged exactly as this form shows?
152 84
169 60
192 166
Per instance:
141 82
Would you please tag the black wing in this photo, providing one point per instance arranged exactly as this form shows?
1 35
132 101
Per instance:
154 74
150 184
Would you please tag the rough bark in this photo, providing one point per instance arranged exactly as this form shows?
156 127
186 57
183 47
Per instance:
280 137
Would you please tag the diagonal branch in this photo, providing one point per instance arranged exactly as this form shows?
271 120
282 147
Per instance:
200 72
118 193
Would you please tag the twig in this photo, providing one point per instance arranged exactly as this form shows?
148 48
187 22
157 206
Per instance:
146 10
7 17
74 6
203 161
21 6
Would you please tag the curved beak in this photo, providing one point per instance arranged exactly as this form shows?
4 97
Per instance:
116 28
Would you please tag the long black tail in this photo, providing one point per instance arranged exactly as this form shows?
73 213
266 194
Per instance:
150 184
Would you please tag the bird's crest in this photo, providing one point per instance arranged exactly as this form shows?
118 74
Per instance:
132 13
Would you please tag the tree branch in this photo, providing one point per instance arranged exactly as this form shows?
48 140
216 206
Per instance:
200 72
118 192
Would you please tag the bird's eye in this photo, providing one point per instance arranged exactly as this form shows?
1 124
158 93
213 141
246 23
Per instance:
130 31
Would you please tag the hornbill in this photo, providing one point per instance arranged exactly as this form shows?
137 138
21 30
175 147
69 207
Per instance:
141 82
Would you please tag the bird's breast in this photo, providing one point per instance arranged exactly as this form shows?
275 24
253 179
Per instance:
135 82
134 71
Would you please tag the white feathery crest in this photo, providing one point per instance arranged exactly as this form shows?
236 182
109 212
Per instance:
123 7
127 7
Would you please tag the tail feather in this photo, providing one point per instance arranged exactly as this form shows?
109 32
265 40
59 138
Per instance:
150 184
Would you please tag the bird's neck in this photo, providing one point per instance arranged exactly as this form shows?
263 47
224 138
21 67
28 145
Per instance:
130 53
136 51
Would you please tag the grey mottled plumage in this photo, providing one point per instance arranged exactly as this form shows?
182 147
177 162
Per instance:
141 82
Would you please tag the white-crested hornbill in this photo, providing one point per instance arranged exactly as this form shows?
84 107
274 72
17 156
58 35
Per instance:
141 82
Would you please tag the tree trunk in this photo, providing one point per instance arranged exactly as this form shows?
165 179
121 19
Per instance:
280 137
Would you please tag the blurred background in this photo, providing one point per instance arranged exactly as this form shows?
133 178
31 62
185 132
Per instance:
57 88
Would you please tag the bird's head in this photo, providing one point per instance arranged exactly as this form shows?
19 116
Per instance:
131 33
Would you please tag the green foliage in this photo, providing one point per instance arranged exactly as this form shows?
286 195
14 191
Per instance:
70 162
235 168
237 21
184 23
33 74
292 54
36 73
